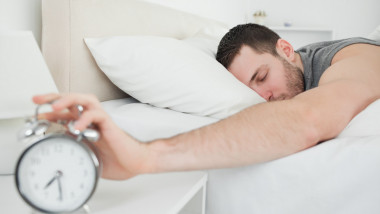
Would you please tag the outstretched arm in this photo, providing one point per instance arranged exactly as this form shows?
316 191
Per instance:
266 131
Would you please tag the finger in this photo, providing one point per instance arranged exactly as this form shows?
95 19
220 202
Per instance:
55 116
67 101
75 111
45 98
96 117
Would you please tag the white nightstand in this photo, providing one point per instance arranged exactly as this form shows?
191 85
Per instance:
168 193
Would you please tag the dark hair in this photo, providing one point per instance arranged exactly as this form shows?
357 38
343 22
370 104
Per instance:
260 38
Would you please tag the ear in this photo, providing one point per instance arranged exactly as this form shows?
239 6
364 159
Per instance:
285 49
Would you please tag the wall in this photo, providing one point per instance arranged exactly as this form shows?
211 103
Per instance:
347 17
231 12
21 15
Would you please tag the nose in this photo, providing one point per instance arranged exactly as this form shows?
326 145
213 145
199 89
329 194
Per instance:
264 93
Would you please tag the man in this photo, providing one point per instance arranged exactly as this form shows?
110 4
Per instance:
291 122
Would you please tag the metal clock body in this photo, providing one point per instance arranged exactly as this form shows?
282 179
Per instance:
58 172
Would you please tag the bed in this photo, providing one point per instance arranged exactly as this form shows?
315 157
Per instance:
161 94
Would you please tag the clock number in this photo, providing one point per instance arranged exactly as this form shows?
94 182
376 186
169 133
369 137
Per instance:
35 161
58 148
81 161
45 151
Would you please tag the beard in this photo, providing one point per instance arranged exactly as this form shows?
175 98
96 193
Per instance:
295 82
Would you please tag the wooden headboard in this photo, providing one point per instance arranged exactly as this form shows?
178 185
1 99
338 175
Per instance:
66 22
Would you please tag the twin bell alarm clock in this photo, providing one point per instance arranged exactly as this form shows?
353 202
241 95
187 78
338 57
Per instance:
59 170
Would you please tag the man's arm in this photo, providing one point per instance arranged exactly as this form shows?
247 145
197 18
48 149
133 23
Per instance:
272 130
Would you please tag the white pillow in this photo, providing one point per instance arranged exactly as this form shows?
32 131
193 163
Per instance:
366 123
207 39
169 73
375 35
206 45
146 122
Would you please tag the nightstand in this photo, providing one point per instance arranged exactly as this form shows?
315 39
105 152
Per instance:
167 193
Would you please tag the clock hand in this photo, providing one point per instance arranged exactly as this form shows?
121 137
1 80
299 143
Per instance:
50 182
58 176
59 188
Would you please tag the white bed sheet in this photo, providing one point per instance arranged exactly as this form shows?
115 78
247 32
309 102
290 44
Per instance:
338 176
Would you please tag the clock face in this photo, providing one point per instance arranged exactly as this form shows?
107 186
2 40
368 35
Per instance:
57 174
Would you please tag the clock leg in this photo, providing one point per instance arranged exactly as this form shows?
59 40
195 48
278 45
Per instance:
86 209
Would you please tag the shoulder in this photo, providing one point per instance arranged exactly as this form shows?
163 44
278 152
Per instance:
357 58
329 49
356 47
358 64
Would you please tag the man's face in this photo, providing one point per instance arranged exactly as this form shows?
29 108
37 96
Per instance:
273 78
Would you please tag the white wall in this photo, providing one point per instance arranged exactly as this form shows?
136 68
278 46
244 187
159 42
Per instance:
231 12
347 17
21 15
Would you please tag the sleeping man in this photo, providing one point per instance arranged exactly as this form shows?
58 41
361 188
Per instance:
313 94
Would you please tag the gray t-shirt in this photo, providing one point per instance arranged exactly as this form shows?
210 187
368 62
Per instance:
317 57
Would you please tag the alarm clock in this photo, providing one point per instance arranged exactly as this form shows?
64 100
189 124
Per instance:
57 172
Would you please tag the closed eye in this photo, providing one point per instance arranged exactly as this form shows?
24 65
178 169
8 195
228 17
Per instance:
259 71
263 78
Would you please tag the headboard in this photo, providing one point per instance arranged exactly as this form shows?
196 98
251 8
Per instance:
66 22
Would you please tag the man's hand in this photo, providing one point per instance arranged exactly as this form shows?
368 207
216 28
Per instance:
121 155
